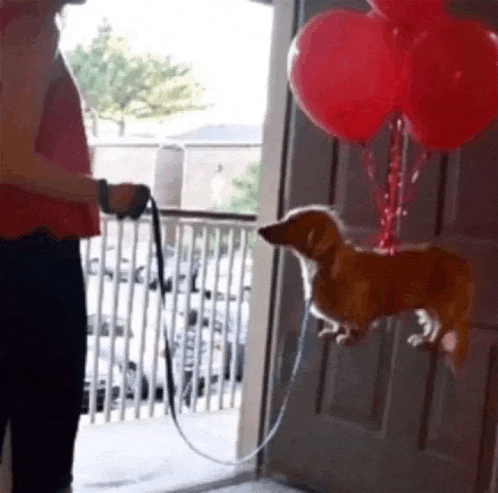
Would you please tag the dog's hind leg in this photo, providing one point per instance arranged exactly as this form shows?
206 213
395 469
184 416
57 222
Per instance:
431 331
455 343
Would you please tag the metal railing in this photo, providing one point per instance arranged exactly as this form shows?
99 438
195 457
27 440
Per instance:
208 275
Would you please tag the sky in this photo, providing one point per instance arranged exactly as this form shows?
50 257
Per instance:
227 42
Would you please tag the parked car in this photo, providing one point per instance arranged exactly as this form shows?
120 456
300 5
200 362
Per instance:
222 282
188 324
218 321
184 347
139 275
241 341
130 366
140 271
142 384
101 383
105 325
169 272
135 383
191 341
94 265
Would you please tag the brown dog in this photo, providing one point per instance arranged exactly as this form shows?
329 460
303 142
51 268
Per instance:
350 288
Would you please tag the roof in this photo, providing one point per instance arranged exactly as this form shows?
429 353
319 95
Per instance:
223 133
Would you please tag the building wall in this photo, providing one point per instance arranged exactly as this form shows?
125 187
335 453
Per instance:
209 171
119 163
193 176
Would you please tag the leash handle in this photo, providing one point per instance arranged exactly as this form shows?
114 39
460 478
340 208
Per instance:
169 363
142 196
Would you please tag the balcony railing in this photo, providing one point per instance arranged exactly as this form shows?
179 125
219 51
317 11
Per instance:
208 276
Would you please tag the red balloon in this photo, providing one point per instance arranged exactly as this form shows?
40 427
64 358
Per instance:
408 11
343 72
452 83
404 17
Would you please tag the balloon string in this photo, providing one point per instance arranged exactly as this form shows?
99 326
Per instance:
389 203
391 210
379 191
410 185
386 197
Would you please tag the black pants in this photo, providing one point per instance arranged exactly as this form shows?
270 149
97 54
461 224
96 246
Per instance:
42 358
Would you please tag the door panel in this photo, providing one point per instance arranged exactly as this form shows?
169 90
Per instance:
344 447
483 259
421 221
471 218
476 207
383 417
356 383
352 189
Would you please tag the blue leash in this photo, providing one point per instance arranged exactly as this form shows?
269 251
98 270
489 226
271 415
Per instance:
169 363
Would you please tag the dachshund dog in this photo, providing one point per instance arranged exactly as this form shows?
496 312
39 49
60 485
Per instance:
350 289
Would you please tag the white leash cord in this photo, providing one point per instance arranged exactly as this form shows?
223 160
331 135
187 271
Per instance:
169 364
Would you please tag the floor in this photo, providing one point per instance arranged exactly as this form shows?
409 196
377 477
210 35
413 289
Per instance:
263 486
149 456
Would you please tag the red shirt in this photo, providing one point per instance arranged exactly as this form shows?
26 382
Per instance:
61 138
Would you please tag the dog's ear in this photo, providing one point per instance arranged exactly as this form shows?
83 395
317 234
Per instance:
322 239
311 232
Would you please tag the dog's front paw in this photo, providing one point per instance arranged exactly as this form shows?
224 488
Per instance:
415 340
347 339
343 340
330 331
419 341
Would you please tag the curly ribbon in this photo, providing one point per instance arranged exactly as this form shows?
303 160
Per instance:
388 200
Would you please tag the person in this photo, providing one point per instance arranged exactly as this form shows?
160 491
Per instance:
49 200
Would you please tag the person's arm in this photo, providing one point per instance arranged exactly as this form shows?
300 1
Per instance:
32 172
27 54
28 63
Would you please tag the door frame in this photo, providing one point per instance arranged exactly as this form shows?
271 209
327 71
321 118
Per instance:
285 184
260 347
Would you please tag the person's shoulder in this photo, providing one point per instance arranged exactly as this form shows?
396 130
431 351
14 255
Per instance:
59 69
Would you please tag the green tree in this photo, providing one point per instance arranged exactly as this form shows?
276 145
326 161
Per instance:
116 84
246 197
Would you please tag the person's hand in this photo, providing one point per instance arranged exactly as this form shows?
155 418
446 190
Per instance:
121 197
128 199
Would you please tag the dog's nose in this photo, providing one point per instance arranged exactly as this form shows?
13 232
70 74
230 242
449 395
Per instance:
273 234
268 234
263 231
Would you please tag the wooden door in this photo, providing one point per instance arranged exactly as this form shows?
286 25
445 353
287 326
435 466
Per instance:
384 417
